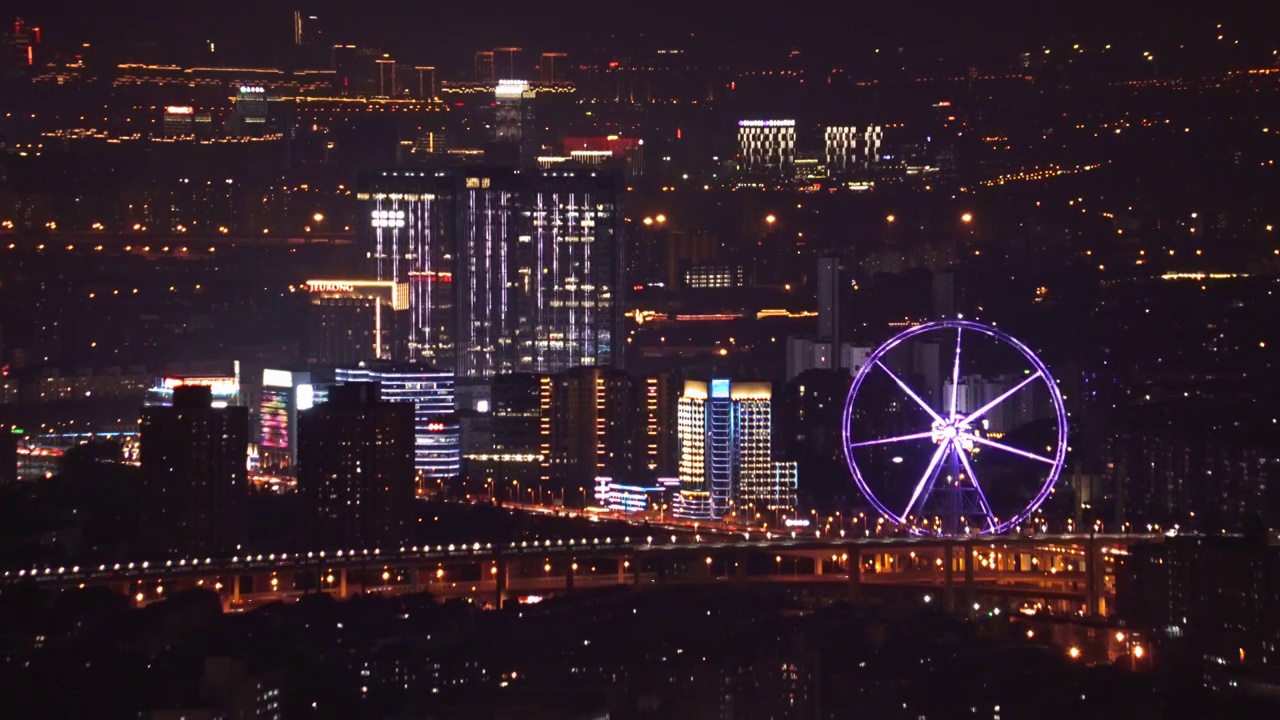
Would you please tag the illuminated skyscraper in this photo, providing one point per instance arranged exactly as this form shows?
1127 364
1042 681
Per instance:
250 116
509 107
306 28
484 66
179 121
355 321
284 394
195 486
504 61
849 149
658 443
426 82
767 148
595 425
548 72
509 270
725 432
436 454
513 126
19 47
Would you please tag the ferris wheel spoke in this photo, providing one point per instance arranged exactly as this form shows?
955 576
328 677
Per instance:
927 478
1003 396
973 478
910 393
900 438
1013 450
955 376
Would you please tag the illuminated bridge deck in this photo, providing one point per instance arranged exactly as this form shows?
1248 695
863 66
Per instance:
633 546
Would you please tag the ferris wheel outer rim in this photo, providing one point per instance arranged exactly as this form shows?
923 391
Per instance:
1055 395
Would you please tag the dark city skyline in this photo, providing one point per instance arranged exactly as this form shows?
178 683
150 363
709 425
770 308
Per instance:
639 361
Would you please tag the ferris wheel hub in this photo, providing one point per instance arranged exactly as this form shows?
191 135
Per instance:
955 430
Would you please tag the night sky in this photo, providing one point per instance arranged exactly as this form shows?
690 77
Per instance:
448 32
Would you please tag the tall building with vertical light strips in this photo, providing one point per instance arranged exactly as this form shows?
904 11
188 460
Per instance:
725 435
767 147
509 270
849 149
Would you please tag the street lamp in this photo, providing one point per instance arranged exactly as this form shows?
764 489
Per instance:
966 218
660 218
770 219
318 217
648 221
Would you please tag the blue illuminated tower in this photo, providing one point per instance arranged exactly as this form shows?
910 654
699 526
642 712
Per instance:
725 432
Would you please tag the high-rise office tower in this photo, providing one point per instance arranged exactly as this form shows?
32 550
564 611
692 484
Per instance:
658 444
725 431
484 66
849 149
502 430
250 116
355 469
284 395
595 425
514 138
251 103
509 98
179 121
504 61
355 321
509 270
426 82
20 53
829 294
767 148
516 407
435 427
551 67
841 149
872 140
194 479
306 28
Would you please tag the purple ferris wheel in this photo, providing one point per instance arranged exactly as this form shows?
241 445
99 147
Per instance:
922 466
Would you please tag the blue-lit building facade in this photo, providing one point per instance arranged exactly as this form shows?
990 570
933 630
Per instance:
437 451
725 436
635 499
